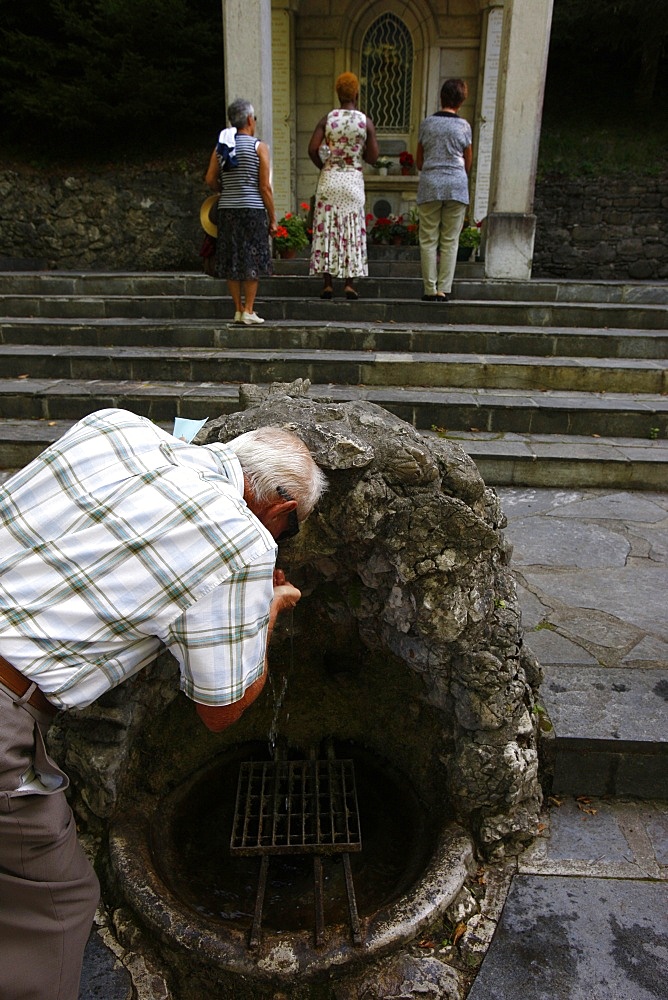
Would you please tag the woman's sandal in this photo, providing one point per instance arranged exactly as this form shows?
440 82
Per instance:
326 293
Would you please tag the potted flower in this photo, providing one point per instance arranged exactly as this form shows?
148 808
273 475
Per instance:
379 232
291 235
398 230
469 241
406 162
382 165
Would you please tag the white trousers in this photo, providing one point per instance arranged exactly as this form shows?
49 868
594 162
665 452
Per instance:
440 225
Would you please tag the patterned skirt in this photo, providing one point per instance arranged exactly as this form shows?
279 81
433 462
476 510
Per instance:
242 246
339 229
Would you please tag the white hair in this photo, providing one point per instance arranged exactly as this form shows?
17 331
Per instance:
238 112
278 463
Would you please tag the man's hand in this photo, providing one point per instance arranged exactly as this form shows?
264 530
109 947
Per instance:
285 595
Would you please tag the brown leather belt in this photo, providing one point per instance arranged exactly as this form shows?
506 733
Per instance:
19 684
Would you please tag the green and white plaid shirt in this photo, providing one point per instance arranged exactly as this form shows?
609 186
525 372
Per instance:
118 538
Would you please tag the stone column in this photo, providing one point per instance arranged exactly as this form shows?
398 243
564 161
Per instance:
511 225
247 47
485 118
284 150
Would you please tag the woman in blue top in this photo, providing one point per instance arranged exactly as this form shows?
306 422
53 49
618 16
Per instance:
444 156
240 169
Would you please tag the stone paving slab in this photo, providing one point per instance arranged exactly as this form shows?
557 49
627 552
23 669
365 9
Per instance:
592 569
610 838
563 938
102 976
603 703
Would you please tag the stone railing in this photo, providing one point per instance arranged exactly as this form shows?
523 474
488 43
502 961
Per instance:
138 219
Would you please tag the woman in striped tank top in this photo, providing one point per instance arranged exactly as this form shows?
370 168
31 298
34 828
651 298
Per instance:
239 169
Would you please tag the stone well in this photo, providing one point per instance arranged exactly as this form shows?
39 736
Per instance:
406 645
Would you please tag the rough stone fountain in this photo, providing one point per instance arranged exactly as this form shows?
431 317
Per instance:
405 655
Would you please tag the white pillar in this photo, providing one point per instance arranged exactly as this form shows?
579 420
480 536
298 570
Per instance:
247 47
511 225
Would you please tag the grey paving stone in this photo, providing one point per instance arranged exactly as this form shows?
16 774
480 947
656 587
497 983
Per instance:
627 507
596 629
578 939
604 703
587 831
595 836
552 648
655 537
519 502
656 822
547 541
533 612
648 649
631 594
103 977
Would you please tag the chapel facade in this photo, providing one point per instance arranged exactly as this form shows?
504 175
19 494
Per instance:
285 55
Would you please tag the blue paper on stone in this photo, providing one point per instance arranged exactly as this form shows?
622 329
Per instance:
185 430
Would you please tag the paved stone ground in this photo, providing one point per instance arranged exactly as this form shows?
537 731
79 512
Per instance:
586 917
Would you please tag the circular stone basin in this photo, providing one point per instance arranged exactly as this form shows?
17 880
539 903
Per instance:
179 875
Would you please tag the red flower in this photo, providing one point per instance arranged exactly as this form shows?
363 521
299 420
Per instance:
406 159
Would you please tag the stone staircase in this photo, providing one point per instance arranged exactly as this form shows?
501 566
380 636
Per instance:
543 383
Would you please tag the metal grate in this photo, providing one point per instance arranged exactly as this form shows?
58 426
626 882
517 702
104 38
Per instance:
387 74
296 807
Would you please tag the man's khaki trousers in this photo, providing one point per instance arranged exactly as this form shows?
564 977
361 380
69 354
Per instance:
48 890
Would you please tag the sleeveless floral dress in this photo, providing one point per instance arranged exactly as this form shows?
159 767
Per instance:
339 230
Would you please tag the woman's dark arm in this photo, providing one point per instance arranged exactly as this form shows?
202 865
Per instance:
371 147
316 142
212 176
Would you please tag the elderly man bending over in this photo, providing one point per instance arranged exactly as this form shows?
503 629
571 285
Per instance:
118 540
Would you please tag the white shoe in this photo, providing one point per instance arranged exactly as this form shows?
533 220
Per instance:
237 317
251 318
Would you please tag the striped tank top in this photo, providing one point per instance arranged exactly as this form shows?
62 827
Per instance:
240 184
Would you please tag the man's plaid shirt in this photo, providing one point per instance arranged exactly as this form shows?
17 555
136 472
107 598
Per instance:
118 538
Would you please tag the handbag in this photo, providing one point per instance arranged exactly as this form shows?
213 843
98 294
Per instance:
208 255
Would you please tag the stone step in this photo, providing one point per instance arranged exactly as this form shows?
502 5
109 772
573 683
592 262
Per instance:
371 368
610 730
535 460
380 309
536 341
467 285
493 410
565 461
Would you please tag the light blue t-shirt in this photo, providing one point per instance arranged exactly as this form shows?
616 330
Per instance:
444 137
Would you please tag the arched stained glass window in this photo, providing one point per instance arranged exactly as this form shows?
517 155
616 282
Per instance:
387 74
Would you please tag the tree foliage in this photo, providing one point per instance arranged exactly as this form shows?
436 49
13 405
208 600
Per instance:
620 41
110 73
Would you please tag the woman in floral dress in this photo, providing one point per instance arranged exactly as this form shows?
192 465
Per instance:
341 141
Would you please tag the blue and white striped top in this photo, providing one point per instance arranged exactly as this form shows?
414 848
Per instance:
240 184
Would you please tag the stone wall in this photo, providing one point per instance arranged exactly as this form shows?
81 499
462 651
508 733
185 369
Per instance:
125 219
142 219
613 227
